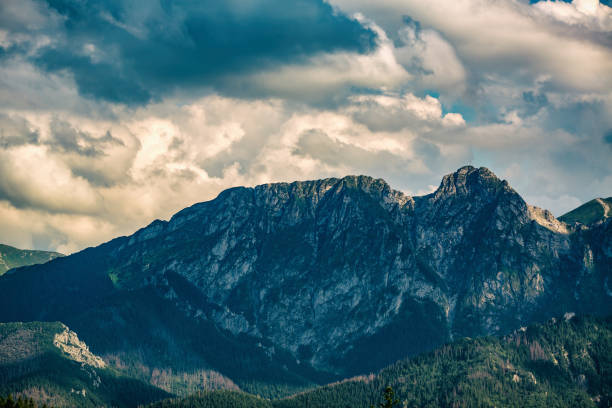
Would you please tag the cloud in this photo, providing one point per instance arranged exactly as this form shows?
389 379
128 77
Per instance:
315 144
509 38
590 14
607 138
397 112
16 131
431 58
31 180
135 51
327 79
67 139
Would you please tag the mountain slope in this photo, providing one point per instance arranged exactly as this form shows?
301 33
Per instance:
595 210
557 364
283 286
11 257
48 363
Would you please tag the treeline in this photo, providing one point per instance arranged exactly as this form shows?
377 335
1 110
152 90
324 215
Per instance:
20 402
562 363
215 399
557 364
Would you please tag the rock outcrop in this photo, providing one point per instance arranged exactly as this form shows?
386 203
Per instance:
76 350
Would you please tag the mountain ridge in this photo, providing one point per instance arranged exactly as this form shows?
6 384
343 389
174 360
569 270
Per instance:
11 257
323 279
598 209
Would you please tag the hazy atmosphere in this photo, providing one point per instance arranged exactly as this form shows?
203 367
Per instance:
115 113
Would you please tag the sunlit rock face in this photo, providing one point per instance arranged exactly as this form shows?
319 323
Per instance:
342 275
68 341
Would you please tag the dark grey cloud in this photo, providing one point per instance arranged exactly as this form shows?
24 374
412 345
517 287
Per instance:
15 131
318 145
588 119
607 138
67 139
534 101
134 51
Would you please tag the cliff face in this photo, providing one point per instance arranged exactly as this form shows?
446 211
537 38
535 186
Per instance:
340 275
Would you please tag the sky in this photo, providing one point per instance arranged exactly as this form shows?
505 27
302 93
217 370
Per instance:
114 113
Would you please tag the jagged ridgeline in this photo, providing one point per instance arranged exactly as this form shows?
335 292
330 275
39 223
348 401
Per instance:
563 363
280 287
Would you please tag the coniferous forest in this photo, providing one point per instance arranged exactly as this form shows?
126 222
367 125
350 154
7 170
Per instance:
561 363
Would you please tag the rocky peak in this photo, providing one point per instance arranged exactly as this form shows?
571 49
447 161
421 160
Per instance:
471 194
468 181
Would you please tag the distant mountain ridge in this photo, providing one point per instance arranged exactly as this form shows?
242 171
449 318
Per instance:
283 286
11 257
598 209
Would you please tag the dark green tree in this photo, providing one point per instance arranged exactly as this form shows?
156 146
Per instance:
389 400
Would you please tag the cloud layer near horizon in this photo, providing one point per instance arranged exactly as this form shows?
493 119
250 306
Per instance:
115 113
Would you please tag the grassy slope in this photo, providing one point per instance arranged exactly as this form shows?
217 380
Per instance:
587 213
11 257
32 366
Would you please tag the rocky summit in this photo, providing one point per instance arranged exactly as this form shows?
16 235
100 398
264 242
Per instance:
299 283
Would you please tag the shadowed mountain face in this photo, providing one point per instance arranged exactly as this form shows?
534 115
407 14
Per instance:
299 283
14 258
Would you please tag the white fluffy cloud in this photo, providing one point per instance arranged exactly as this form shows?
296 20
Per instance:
507 37
432 59
590 14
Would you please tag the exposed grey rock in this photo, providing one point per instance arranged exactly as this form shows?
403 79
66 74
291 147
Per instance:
321 264
76 350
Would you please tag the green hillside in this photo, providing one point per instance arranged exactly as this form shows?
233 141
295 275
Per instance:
60 371
590 212
11 257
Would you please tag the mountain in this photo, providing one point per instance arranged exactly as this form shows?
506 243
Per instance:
280 287
595 210
14 258
47 362
563 362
